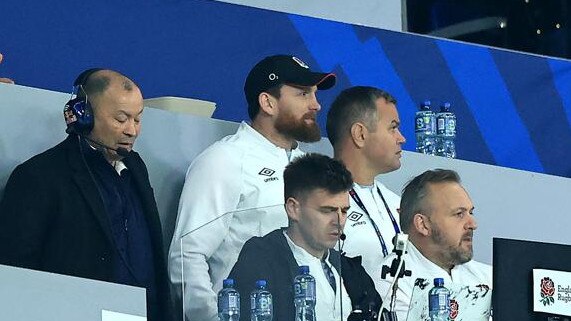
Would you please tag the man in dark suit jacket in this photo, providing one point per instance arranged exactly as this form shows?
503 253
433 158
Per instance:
316 201
85 207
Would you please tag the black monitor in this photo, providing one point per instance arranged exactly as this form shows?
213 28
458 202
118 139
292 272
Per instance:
514 261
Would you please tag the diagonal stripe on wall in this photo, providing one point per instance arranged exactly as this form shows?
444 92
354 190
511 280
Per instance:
492 106
539 106
364 63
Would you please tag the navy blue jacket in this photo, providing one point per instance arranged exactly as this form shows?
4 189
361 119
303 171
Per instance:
270 258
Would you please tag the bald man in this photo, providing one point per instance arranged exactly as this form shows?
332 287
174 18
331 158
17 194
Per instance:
85 207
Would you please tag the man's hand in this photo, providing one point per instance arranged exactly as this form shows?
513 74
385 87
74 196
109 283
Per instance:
5 80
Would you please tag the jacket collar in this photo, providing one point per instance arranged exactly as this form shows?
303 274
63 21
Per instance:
277 239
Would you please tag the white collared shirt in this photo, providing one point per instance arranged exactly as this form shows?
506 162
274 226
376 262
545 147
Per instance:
327 306
362 239
118 165
471 273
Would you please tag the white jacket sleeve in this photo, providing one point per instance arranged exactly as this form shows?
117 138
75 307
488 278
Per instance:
212 188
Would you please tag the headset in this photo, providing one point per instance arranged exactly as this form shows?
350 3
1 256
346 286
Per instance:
78 113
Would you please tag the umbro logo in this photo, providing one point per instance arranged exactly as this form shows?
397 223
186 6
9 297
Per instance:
266 172
354 216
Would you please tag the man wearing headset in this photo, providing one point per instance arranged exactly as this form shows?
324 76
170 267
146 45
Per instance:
85 207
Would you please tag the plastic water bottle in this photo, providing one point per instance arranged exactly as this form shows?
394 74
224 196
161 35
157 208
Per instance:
439 301
228 302
425 129
446 132
304 295
261 306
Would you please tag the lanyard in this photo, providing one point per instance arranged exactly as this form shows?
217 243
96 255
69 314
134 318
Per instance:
357 200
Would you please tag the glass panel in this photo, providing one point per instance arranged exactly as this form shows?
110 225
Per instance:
209 250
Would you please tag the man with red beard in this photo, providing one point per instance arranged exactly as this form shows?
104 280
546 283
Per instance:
238 174
438 215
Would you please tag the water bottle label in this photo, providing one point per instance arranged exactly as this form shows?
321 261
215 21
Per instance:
430 125
233 301
298 290
228 301
440 126
304 289
446 126
439 301
451 127
419 124
264 303
425 123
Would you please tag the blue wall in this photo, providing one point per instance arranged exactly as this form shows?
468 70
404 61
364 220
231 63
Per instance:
513 109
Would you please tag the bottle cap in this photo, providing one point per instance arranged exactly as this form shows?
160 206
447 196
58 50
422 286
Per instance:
304 269
425 105
438 281
445 107
261 284
228 283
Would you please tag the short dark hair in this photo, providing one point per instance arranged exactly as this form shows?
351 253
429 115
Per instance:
415 191
354 104
254 105
313 171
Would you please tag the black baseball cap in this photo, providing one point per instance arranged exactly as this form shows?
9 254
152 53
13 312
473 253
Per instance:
283 69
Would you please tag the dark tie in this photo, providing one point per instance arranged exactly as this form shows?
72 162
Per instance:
329 274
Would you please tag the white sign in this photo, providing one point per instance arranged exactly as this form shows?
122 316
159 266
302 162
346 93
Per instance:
552 292
117 316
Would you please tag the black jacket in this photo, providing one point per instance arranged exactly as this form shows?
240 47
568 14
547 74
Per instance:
52 218
270 258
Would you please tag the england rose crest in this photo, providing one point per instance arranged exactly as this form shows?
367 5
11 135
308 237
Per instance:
547 291
453 309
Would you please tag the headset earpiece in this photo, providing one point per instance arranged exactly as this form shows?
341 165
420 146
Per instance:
78 116
78 113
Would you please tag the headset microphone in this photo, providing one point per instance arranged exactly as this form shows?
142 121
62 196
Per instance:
123 152
342 237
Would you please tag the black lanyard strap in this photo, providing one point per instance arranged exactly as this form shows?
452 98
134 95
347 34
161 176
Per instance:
391 216
360 203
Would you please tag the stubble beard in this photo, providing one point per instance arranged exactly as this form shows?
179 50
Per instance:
454 254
